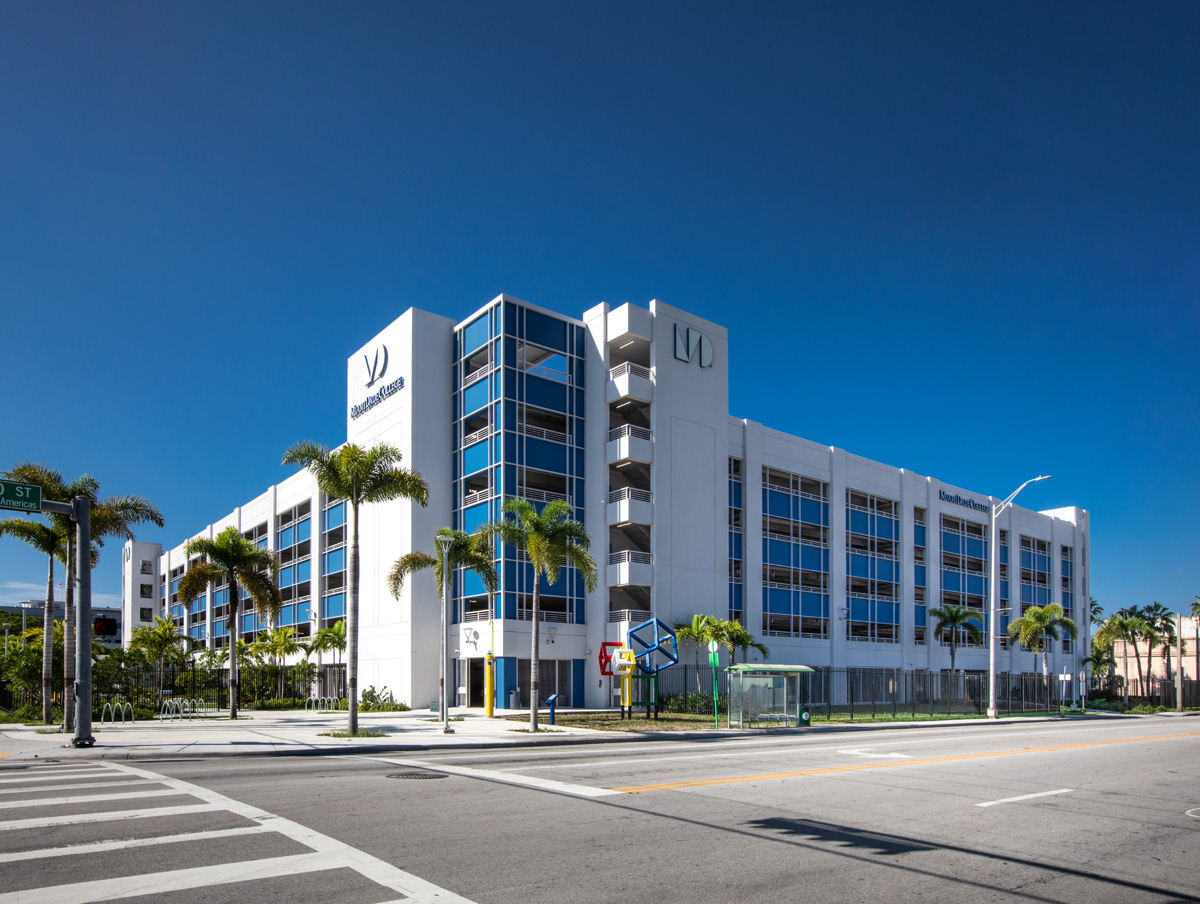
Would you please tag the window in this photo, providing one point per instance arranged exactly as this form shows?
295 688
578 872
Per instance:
147 566
146 613
146 591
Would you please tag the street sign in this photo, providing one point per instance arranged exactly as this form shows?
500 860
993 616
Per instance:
712 646
20 497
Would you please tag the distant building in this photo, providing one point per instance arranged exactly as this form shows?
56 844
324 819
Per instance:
1155 663
106 621
831 558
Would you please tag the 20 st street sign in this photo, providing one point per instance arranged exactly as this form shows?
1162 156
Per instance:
20 497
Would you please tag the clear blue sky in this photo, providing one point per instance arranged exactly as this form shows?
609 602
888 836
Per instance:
959 238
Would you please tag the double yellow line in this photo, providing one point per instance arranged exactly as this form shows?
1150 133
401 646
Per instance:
861 767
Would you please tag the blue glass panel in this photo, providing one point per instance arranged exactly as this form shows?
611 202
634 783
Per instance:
472 584
545 394
735 494
919 576
859 523
859 566
475 334
919 535
475 457
287 615
219 628
303 571
335 561
302 612
860 610
919 616
779 552
975 548
951 542
475 396
335 516
303 530
812 605
287 576
175 586
1067 568
1041 563
1068 599
474 516
952 580
1004 590
779 504
1043 596
975 584
287 537
811 558
1004 554
735 546
885 570
736 592
887 613
1026 558
1026 593
779 602
335 605
220 597
545 456
547 331
885 528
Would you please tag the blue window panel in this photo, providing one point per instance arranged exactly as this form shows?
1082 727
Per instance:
813 558
1004 590
780 552
1068 599
303 571
476 396
1041 563
779 602
810 511
547 331
475 334
813 605
335 561
474 516
219 628
1067 568
735 546
287 615
286 538
885 570
975 584
545 394
475 457
287 576
473 584
736 597
175 586
735 494
303 530
858 522
247 623
885 528
1026 593
1004 554
951 543
580 612
335 605
1043 596
302 611
919 616
952 581
887 613
779 504
335 516
1004 620
975 548
919 535
545 456
919 576
859 566
860 610
1026 558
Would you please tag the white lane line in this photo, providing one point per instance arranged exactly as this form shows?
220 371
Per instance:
43 777
84 799
71 819
867 752
127 783
508 778
1009 800
96 847
334 853
170 881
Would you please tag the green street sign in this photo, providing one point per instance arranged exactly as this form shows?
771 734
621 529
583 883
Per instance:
20 497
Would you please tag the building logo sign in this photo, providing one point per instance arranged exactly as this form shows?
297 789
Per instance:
375 369
384 392
688 341
963 500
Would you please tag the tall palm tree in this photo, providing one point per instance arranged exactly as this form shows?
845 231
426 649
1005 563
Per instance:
1161 622
738 638
163 643
47 540
551 538
332 639
1128 629
956 620
232 558
1040 625
358 476
472 552
699 631
278 644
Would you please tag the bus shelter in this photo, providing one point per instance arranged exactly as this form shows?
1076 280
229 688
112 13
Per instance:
762 695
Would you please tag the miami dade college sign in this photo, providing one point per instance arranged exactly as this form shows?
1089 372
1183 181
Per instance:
376 368
689 341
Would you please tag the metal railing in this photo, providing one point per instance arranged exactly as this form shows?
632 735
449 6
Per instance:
630 556
476 375
477 615
540 495
631 431
633 370
629 615
480 434
541 433
632 494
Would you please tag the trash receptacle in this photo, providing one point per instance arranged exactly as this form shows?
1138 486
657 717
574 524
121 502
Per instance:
805 717
514 700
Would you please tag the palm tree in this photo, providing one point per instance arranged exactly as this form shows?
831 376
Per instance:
278 644
231 558
956 620
1102 662
470 551
738 638
1095 610
332 639
163 643
700 631
1161 623
1040 625
357 475
551 539
1128 629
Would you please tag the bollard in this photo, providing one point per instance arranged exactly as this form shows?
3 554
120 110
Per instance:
552 700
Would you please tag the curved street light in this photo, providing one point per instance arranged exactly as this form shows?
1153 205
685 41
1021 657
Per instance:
444 541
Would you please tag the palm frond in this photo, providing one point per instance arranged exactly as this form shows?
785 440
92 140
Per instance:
409 564
264 594
197 578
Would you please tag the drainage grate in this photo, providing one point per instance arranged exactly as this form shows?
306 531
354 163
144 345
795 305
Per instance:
417 775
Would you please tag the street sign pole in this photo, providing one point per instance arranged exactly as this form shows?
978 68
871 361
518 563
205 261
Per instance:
83 621
712 661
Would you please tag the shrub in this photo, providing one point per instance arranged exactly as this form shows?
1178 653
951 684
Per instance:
696 703
380 701
1145 709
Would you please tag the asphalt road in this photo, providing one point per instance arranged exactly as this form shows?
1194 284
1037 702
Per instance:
1090 811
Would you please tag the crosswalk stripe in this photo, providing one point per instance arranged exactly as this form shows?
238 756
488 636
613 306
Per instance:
63 787
96 847
70 819
43 777
84 799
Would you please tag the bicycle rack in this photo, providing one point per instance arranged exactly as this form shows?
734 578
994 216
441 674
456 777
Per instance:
113 710
323 704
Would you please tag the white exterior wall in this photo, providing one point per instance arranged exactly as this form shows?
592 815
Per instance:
133 603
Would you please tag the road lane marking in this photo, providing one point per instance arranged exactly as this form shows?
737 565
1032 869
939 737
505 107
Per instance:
860 767
865 751
71 819
507 778
1013 800
90 773
126 784
84 799
96 847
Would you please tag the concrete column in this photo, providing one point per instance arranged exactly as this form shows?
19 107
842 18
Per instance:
837 557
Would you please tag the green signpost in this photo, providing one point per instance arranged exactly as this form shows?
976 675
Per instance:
712 661
20 497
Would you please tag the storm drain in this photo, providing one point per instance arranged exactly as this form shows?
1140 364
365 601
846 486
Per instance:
416 775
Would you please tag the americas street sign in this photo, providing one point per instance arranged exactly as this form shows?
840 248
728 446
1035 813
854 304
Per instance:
20 497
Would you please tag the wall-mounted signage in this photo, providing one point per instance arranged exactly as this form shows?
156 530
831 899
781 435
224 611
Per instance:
375 368
376 397
688 341
963 500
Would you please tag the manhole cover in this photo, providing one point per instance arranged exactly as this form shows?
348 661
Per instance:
417 775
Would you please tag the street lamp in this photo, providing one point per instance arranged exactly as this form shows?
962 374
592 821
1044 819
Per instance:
25 607
994 590
444 541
